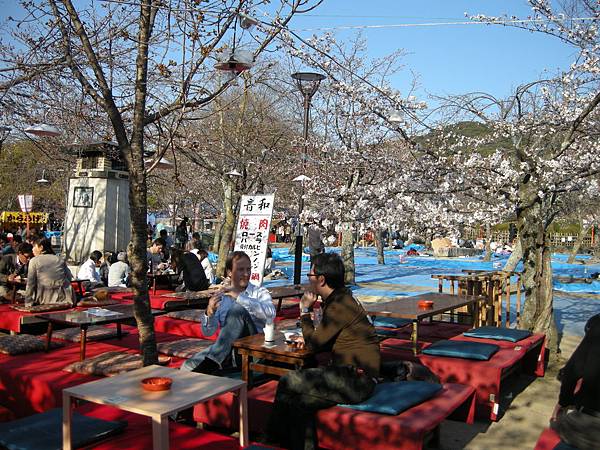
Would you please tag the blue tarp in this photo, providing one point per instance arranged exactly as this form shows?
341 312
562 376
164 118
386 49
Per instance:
571 312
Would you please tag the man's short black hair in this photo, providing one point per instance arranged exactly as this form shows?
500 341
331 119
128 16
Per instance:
161 232
25 248
331 266
96 255
159 241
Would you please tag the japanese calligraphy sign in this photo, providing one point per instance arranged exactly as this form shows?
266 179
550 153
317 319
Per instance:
252 235
20 217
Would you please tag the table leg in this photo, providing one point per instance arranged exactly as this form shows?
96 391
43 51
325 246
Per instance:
160 433
414 337
243 404
83 339
48 335
66 421
13 300
245 367
119 334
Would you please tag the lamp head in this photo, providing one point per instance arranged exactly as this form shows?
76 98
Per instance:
308 82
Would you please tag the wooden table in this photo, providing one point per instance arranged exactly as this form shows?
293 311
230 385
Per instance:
160 276
255 347
125 392
84 319
407 308
280 292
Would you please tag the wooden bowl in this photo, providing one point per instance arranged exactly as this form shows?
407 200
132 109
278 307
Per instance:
425 304
157 383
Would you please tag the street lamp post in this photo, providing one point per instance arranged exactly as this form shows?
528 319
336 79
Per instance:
308 84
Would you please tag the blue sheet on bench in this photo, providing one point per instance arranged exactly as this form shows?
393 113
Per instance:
393 398
44 431
499 334
462 349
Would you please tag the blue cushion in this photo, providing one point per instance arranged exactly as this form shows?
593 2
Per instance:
390 322
44 431
393 398
499 334
564 446
462 349
386 331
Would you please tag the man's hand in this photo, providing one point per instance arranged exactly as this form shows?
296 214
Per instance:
213 304
12 277
308 299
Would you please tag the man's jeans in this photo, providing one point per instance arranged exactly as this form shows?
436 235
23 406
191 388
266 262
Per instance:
238 324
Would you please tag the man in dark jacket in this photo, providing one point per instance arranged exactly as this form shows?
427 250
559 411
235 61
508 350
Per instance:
194 277
576 417
13 269
347 333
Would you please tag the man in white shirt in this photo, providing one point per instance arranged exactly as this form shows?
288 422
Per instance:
240 309
89 270
119 271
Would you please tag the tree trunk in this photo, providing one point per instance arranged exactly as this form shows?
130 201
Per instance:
217 235
488 242
379 244
582 234
537 315
515 257
137 257
228 227
348 252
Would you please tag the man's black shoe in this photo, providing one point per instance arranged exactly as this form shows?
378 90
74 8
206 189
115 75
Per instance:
208 366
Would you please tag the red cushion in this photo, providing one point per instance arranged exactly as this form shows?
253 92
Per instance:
547 440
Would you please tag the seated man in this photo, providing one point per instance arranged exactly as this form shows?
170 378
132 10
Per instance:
14 268
240 309
576 417
118 273
155 254
89 271
346 331
190 267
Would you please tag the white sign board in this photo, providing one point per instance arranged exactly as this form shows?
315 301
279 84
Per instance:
252 235
26 202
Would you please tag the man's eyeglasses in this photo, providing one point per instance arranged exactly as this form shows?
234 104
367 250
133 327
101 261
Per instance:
313 274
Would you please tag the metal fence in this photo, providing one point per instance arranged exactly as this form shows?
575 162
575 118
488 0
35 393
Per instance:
556 239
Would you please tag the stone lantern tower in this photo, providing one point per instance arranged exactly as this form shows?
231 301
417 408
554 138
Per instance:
97 216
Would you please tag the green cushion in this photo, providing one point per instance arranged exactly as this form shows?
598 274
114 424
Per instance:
499 334
462 349
44 431
393 398
390 322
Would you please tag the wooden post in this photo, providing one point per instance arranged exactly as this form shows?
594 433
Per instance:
518 299
508 301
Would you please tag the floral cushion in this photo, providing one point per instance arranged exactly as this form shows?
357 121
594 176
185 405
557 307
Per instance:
183 348
94 333
193 315
110 363
46 307
21 343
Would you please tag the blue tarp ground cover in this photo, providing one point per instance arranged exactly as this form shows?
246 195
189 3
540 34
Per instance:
571 311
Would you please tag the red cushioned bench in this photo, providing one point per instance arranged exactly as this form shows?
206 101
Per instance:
346 428
486 376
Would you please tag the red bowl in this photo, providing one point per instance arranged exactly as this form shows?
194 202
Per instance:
157 383
425 304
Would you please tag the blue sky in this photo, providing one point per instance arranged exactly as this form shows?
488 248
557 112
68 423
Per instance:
448 59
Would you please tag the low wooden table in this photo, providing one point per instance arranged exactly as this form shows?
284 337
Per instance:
407 308
162 277
256 347
280 292
125 392
83 319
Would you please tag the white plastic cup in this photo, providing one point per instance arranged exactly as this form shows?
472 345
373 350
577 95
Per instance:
269 331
